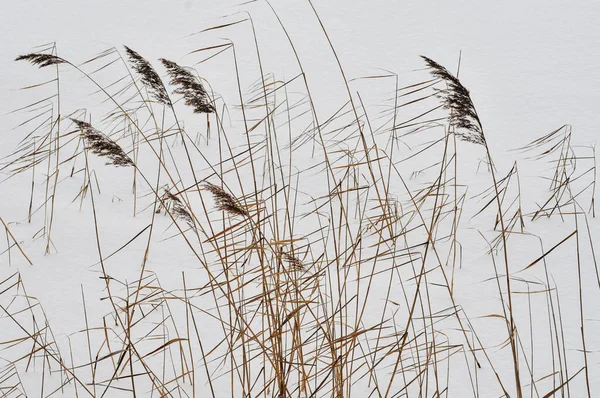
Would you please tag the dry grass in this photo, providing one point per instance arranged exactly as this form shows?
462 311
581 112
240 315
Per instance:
322 270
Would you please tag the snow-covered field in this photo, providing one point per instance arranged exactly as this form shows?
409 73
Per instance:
294 203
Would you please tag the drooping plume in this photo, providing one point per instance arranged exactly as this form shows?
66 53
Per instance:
178 209
101 145
292 260
456 98
225 201
189 86
41 60
149 76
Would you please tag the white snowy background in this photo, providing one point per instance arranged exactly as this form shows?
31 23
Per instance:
531 67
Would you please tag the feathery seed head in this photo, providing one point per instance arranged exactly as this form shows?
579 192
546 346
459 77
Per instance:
189 86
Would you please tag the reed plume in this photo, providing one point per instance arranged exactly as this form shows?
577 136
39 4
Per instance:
149 77
101 145
41 60
177 208
463 115
225 201
292 260
456 98
189 86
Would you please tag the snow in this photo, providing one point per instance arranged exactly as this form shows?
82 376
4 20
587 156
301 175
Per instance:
530 67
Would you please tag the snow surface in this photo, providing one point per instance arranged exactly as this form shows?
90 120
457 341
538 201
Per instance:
532 67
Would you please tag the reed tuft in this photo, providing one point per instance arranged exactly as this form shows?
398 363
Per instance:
456 98
149 76
41 60
292 260
225 201
177 208
189 86
101 145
